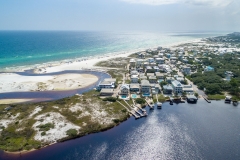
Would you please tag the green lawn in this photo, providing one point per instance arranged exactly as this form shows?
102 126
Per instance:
216 97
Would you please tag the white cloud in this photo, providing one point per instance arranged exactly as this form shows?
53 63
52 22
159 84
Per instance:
217 3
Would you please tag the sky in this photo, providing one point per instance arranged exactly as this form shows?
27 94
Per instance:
121 15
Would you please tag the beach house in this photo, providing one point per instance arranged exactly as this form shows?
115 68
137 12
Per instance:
160 60
132 63
152 79
106 92
159 75
169 80
107 83
134 72
188 88
141 55
145 88
124 89
167 89
177 86
139 63
155 88
150 60
135 87
186 70
208 69
134 78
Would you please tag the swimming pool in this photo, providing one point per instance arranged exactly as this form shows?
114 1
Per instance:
134 96
160 80
146 95
123 96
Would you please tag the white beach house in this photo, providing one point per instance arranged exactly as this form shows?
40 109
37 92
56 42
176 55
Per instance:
177 87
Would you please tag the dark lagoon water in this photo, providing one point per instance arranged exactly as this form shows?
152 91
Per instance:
180 131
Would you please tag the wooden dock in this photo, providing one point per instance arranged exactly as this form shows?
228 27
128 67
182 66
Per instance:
132 112
151 106
206 99
135 110
143 110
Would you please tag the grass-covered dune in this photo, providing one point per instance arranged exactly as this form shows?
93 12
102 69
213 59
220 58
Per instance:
35 125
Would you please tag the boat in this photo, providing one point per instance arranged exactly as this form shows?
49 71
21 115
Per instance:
191 99
235 103
228 99
171 101
159 105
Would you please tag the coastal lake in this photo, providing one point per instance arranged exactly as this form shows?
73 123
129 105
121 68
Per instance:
180 131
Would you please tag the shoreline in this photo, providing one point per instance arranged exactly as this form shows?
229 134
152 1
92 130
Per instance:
66 63
76 65
68 138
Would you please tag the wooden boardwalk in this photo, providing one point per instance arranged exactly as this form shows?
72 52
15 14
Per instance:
130 111
151 106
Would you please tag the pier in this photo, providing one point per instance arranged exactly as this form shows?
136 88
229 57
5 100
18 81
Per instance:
206 99
159 104
143 110
132 112
135 110
151 106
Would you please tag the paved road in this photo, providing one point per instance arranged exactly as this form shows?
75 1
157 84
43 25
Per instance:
195 88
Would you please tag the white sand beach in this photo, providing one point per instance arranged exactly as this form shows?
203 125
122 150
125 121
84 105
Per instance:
11 82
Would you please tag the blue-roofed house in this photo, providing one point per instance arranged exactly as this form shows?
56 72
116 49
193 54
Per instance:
208 69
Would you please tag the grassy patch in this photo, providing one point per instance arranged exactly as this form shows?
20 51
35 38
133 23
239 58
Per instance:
161 98
120 62
45 127
216 97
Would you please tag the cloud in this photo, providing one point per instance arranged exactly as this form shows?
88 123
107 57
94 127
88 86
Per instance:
213 3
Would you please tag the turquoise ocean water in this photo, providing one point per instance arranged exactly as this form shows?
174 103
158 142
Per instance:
23 48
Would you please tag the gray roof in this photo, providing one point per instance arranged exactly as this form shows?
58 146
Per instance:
105 83
152 77
168 87
150 74
158 74
176 83
143 77
135 85
106 90
110 79
145 83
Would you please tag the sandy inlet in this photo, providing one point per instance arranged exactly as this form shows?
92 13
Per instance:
11 82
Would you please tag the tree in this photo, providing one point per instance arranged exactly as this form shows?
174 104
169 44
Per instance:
71 132
184 94
213 89
196 94
140 101
163 83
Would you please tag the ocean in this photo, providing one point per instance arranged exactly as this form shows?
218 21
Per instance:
32 48
180 131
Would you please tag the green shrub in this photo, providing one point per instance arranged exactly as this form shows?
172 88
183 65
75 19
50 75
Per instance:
110 99
71 132
116 120
140 101
45 127
43 133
